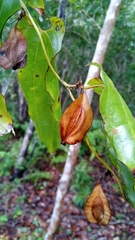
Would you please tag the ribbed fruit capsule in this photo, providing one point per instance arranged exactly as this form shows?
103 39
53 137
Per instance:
76 120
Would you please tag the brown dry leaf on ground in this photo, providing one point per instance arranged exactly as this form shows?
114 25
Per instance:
97 209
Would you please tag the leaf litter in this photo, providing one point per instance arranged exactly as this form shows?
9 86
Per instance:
28 208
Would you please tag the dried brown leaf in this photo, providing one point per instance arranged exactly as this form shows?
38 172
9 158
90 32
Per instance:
97 208
13 51
76 120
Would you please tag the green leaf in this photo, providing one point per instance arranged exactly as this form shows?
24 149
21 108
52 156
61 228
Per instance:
119 123
40 86
7 8
56 33
95 64
112 153
95 82
3 218
58 159
127 181
36 3
119 128
125 176
72 1
5 119
37 175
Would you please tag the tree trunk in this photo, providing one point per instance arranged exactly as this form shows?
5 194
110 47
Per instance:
18 171
23 108
100 51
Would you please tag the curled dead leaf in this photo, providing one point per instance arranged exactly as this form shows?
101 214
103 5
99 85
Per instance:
13 51
76 120
97 209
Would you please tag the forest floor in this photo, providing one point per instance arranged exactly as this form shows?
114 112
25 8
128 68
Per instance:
25 212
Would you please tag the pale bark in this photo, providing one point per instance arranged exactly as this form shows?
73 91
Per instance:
25 144
93 72
18 171
62 190
103 41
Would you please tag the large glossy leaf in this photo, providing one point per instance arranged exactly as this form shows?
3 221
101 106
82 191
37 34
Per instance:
7 8
119 128
124 174
5 119
127 181
41 87
119 123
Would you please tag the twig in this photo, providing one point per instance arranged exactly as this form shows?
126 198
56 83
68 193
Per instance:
126 222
